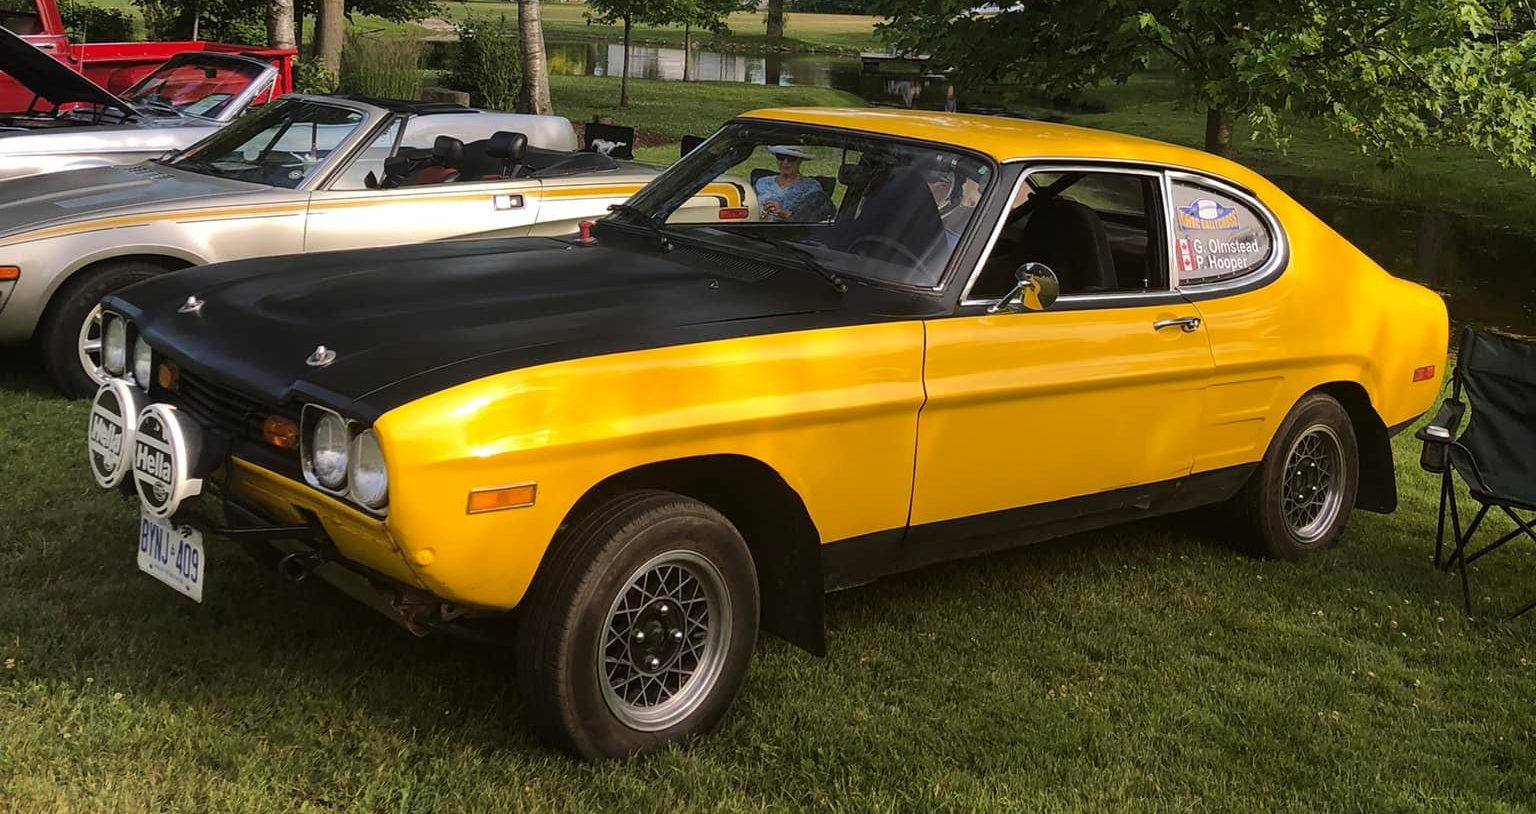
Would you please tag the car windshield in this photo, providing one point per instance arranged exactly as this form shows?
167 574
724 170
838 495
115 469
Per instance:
193 89
281 145
851 204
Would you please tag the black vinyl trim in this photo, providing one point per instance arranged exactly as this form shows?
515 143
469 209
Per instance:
857 560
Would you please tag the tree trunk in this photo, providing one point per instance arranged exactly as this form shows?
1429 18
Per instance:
328 34
534 97
687 48
775 21
1218 132
298 33
280 24
624 76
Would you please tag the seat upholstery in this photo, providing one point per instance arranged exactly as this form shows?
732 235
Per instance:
443 167
1070 238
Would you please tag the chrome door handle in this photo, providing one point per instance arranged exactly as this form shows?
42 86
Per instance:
1187 324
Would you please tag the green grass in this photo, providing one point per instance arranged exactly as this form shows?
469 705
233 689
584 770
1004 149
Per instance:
1460 180
1139 668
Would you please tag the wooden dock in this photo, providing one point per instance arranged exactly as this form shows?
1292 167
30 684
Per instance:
875 60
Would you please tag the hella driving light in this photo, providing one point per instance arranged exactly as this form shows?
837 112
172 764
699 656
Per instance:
328 451
143 369
114 345
366 478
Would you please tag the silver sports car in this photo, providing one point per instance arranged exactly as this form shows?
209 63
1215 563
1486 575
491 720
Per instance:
303 174
186 99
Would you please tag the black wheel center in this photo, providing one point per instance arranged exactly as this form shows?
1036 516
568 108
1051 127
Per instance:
657 636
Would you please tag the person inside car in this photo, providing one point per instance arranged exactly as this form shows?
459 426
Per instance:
790 197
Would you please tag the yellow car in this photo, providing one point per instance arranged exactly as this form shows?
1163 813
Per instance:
933 336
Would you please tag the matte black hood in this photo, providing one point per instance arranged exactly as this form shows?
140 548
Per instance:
50 78
408 321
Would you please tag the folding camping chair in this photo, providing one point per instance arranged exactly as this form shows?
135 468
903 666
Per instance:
1496 455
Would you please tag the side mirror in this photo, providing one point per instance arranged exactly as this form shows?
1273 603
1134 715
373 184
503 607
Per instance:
1036 289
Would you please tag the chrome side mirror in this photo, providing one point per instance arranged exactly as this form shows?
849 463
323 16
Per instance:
1036 290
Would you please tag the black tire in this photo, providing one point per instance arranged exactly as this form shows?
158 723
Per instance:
1260 510
59 334
565 619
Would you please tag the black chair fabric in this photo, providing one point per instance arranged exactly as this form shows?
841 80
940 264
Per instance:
1498 375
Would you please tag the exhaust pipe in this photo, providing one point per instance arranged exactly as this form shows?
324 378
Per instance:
297 567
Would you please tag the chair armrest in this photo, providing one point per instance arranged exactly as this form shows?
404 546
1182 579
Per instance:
1439 434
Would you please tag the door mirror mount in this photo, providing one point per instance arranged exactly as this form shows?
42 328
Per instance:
1036 289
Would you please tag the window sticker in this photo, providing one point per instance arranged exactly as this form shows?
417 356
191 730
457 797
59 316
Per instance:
1217 238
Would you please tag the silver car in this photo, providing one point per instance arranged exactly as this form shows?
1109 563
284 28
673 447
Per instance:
182 101
303 174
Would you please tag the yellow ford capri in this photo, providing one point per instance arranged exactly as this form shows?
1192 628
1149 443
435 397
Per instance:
935 336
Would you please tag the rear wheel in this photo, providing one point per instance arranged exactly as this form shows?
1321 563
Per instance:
1300 499
70 338
639 627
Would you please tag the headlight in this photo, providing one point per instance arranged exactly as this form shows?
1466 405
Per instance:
366 477
142 367
114 345
328 451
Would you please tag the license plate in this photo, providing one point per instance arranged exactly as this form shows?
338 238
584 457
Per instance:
173 554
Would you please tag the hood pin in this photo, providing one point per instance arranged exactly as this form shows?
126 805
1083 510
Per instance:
193 305
321 357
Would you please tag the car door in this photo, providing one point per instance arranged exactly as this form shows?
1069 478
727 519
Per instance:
348 214
1088 406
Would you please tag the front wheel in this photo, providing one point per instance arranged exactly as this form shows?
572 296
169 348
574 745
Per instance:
1300 499
639 627
70 336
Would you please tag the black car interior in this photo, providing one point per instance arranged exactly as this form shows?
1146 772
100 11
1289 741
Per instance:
504 155
1093 248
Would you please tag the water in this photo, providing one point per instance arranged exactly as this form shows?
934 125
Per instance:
1486 272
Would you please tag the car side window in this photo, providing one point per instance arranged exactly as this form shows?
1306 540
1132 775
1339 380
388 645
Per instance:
369 159
1216 237
1101 232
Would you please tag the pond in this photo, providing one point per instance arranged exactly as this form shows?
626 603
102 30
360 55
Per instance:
1486 272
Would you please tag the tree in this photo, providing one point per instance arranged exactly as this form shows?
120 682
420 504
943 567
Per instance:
1387 74
775 21
280 24
629 12
534 96
330 24
710 15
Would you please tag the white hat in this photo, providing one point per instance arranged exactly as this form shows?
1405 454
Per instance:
790 150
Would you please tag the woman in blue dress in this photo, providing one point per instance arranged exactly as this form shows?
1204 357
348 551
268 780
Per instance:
789 196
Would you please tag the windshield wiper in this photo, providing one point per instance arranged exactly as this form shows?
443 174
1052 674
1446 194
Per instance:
649 222
807 260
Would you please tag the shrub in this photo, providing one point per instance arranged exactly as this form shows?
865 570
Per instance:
389 68
87 23
310 76
488 64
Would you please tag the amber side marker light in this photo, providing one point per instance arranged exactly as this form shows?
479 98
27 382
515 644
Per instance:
280 432
1424 374
9 274
497 498
168 376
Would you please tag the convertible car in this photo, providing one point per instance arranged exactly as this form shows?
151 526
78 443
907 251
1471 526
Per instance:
303 174
76 123
955 334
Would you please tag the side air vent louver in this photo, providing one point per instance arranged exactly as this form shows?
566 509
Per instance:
727 265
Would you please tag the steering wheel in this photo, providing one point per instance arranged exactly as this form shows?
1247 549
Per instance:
891 244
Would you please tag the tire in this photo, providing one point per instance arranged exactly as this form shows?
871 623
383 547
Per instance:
65 326
1316 455
584 598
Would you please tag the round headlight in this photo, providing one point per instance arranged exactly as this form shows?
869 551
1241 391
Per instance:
328 451
366 476
142 367
114 345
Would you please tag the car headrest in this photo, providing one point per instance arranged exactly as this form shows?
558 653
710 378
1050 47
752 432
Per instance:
854 176
449 150
507 145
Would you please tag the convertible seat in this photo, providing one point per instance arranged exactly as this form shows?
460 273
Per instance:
443 167
1069 238
504 153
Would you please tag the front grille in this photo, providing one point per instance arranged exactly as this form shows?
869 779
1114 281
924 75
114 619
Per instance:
223 409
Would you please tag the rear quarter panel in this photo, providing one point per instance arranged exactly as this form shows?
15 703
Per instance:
1333 315
833 411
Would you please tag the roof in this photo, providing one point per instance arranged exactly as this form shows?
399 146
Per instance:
402 106
1004 138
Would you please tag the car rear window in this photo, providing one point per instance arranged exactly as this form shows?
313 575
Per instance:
1216 236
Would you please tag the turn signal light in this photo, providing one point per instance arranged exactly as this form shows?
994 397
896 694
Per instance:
502 497
1424 374
9 274
735 213
280 432
168 376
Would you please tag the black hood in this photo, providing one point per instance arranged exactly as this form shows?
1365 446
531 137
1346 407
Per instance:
51 79
408 321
